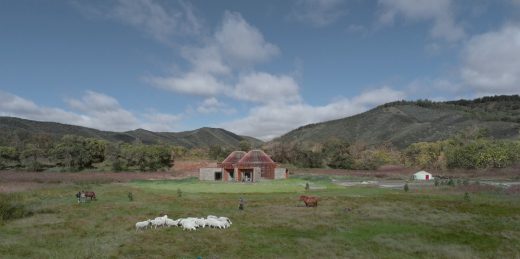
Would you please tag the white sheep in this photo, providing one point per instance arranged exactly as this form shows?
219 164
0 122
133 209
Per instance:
160 221
171 222
225 219
201 222
215 223
188 224
142 224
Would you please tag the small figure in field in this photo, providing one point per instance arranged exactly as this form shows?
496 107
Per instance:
241 204
83 197
78 195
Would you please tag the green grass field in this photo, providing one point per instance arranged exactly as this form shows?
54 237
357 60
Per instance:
381 223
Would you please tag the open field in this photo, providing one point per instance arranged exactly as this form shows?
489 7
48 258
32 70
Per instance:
354 221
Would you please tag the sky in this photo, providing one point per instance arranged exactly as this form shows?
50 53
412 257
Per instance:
256 68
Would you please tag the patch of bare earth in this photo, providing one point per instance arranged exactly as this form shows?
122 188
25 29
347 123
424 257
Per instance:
192 166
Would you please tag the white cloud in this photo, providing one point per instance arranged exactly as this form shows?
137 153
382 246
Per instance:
318 13
266 88
274 119
103 111
235 46
195 83
160 122
207 59
438 11
93 110
162 22
12 105
491 62
213 105
242 43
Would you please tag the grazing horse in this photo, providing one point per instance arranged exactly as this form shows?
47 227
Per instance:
92 195
309 201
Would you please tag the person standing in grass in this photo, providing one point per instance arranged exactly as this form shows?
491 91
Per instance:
241 204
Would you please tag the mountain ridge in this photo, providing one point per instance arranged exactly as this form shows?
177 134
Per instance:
402 123
198 138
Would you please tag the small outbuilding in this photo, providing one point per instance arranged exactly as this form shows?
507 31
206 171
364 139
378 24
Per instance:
422 175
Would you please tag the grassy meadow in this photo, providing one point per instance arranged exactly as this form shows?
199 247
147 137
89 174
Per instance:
361 222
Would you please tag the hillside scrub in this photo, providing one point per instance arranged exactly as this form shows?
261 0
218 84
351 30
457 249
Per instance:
335 154
75 153
403 123
470 149
467 151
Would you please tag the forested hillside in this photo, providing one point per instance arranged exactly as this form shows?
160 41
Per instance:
403 123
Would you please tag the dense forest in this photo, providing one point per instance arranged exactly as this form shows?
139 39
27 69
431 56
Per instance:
76 153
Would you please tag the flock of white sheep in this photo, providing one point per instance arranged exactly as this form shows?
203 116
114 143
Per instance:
189 223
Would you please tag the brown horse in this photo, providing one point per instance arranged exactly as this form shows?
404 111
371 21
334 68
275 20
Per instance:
91 195
309 201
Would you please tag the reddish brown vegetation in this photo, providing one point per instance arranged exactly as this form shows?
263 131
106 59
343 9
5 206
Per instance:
21 181
191 168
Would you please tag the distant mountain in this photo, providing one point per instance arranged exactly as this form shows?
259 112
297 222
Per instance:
402 123
199 138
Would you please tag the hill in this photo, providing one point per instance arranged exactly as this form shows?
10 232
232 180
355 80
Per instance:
16 128
402 123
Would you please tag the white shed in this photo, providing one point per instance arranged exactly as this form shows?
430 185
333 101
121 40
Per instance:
422 175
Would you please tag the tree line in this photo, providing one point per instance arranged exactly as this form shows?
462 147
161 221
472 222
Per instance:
75 153
471 149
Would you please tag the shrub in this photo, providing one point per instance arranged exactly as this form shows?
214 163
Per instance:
466 196
12 208
130 196
118 165
451 182
406 188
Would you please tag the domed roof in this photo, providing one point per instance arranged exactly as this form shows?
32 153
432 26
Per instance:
256 157
234 157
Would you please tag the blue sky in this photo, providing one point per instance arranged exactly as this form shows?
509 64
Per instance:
258 68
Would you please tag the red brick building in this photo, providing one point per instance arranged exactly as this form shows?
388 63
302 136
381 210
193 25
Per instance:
240 166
